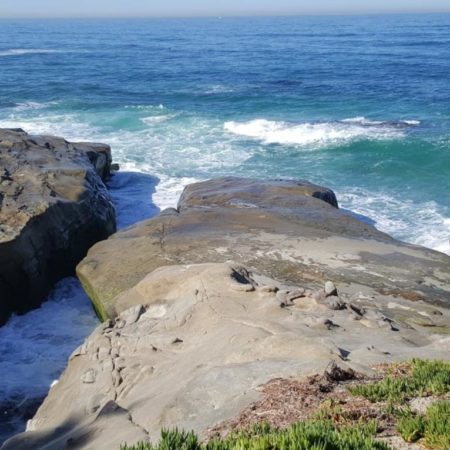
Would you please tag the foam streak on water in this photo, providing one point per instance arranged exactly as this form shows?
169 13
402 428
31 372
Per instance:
27 51
399 217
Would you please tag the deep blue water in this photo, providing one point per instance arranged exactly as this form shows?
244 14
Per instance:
359 104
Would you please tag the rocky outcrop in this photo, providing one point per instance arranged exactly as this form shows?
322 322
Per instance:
53 207
194 344
245 282
286 230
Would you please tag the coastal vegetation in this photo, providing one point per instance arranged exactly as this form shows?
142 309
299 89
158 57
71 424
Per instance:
433 426
334 427
419 378
319 434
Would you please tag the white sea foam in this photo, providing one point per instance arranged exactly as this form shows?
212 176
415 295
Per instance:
219 89
361 120
314 135
169 190
58 124
425 223
165 190
145 107
27 106
35 347
28 51
151 120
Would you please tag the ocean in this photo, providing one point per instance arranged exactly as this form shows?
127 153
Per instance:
360 104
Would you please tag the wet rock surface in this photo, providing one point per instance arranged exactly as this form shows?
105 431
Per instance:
53 207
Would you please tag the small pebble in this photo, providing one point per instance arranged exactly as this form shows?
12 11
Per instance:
330 289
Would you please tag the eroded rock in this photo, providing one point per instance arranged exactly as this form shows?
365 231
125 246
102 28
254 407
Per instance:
194 325
53 207
199 351
292 233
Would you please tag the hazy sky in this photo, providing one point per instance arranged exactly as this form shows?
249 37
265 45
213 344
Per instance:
139 8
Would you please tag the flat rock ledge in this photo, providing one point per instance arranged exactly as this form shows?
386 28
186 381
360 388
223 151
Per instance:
53 207
291 231
243 283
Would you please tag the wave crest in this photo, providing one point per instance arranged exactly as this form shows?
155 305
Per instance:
318 134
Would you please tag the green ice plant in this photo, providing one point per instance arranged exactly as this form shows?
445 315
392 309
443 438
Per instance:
307 435
426 378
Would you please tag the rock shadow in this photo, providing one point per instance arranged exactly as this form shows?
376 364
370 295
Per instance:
360 217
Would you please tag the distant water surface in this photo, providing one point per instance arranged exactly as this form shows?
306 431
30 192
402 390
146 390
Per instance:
359 104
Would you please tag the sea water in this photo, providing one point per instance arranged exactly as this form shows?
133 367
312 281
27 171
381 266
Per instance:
359 104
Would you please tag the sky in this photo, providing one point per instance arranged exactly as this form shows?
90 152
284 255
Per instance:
189 8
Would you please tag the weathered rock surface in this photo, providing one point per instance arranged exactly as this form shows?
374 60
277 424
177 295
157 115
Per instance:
53 207
247 281
289 231
194 343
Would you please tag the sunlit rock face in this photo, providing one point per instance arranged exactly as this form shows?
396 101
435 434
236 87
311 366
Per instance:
53 207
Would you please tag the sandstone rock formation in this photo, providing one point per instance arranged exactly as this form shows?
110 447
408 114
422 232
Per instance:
245 282
53 207
289 231
194 343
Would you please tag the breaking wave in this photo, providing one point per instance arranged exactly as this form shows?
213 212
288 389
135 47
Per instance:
319 134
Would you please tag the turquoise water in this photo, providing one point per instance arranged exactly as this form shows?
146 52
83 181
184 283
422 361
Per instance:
360 104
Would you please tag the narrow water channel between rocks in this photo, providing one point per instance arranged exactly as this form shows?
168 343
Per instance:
34 348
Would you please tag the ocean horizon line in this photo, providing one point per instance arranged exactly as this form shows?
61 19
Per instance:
232 16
